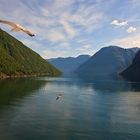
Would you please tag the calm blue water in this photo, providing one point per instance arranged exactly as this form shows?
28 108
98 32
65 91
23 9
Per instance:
87 110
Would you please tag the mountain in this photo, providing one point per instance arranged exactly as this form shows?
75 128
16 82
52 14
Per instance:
69 64
109 61
132 73
18 60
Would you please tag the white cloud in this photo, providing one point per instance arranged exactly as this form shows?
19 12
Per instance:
131 29
128 42
119 23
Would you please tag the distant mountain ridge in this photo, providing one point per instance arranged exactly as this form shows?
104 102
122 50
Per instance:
108 61
69 64
132 73
18 60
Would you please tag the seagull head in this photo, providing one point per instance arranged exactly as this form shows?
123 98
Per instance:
31 34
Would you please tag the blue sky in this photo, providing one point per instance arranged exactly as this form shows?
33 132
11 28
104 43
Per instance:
72 27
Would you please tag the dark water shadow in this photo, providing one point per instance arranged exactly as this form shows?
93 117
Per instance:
13 89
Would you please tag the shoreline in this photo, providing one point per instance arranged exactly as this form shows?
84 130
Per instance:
7 76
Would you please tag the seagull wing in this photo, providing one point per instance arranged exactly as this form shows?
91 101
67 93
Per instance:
8 22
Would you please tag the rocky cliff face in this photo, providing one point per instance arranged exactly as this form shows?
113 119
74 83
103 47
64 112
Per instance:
132 73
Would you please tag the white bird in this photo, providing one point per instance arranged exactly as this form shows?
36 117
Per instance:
59 96
17 27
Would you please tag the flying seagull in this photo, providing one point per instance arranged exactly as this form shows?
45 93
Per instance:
17 27
59 96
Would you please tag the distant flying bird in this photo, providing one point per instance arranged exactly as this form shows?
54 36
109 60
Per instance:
17 27
59 96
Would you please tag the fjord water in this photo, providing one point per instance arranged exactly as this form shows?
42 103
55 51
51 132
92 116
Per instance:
87 110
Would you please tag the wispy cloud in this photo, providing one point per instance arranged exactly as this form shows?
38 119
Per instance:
87 17
56 21
69 27
86 49
69 30
128 42
53 54
55 36
64 45
41 17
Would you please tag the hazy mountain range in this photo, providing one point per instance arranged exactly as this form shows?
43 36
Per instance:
69 64
109 61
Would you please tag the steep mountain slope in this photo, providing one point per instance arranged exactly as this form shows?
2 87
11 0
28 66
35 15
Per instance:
69 64
108 61
18 60
132 73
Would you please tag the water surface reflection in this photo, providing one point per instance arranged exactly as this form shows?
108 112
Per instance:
89 109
